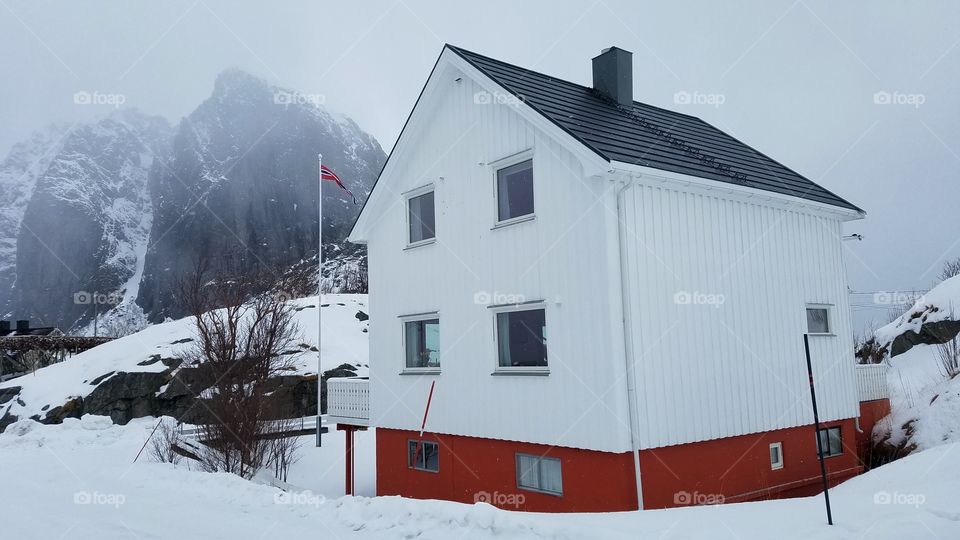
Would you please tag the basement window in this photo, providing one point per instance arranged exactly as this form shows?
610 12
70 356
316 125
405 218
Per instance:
538 473
423 455
515 191
421 218
831 440
776 456
818 320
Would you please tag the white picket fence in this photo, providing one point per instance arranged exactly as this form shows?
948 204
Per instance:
348 401
872 381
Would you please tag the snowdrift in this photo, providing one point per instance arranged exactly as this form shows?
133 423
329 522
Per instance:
83 471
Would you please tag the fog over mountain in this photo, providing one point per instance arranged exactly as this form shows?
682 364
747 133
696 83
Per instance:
110 215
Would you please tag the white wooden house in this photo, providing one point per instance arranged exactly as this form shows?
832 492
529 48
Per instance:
608 298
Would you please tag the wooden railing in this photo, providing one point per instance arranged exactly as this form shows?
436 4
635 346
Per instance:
348 401
872 381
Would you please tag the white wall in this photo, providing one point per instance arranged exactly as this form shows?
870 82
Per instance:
706 371
560 257
702 372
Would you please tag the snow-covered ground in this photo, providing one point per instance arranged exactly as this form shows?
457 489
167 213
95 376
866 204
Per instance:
345 342
78 480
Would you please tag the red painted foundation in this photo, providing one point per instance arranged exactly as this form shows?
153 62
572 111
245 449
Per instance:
737 469
474 469
871 412
734 469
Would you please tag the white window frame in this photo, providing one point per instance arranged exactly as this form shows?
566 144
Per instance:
424 468
412 194
516 464
776 465
827 448
404 319
503 163
517 370
830 321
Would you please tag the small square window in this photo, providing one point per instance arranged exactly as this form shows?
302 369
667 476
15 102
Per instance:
423 455
831 440
421 218
522 338
422 342
776 456
818 320
537 473
515 191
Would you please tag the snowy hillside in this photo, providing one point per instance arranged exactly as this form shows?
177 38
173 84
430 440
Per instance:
38 395
924 393
83 472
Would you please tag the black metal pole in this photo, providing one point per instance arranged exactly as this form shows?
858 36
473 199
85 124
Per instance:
816 423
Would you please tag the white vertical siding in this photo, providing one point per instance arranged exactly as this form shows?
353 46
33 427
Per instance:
707 371
560 257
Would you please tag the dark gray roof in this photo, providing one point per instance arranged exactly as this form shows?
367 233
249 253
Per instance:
647 135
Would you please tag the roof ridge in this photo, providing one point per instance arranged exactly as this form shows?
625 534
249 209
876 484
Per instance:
565 81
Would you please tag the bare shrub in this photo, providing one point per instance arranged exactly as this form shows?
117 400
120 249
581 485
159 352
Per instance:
166 440
241 330
283 450
950 269
867 350
949 356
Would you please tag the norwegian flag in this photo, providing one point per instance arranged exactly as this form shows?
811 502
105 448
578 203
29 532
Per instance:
326 173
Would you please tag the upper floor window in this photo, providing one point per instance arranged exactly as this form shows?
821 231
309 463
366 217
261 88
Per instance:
421 340
515 191
522 338
421 218
831 441
818 320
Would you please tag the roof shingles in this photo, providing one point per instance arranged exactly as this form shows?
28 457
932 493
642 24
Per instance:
647 135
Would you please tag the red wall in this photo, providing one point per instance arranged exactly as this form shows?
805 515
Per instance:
737 469
734 469
474 469
870 413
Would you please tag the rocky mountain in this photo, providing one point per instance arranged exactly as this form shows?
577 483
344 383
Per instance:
117 211
86 218
240 188
26 161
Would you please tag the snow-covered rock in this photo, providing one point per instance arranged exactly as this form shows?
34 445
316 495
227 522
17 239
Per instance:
933 318
131 377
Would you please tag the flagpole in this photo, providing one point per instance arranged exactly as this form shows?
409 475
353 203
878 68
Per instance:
319 286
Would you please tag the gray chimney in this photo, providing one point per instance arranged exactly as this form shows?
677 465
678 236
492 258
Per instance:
23 325
613 75
4 327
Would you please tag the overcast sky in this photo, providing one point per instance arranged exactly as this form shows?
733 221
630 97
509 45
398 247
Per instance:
795 79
